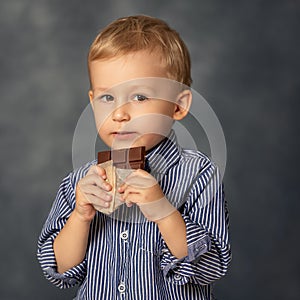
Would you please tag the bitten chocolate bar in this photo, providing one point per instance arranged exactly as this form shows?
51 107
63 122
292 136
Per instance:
131 158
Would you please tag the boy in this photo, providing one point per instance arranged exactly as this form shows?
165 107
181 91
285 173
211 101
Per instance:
175 244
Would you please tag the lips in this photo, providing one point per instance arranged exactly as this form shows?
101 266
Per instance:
124 135
124 132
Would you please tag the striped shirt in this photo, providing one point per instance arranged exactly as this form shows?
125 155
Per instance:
127 257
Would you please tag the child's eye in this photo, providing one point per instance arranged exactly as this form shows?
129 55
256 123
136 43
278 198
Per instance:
140 98
106 98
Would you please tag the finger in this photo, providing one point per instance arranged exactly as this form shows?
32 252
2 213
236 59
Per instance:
132 199
140 179
122 188
98 203
97 170
126 196
99 207
101 172
96 191
129 204
93 170
93 179
139 172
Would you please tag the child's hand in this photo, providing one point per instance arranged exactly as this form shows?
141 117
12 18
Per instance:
142 189
92 191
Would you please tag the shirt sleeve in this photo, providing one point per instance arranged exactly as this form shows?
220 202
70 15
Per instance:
206 218
61 209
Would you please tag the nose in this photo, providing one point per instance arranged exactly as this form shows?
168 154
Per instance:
121 113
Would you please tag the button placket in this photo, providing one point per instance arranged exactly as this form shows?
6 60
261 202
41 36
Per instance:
124 235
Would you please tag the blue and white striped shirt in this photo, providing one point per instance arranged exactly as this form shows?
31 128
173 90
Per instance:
127 257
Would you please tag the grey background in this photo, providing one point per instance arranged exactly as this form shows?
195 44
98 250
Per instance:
245 63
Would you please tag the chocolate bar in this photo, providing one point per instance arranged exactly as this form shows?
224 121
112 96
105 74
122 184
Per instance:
118 164
131 158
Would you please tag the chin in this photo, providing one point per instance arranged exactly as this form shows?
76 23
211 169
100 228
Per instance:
148 141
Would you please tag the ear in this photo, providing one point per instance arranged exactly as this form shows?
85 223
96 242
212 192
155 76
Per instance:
91 96
182 105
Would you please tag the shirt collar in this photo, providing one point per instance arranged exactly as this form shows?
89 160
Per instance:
164 155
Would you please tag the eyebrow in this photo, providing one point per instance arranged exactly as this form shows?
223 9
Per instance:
142 86
100 89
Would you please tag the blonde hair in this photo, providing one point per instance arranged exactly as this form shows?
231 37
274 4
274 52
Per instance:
136 33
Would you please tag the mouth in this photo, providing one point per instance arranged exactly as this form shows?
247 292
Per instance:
124 135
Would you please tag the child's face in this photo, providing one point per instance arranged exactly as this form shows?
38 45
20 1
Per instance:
133 103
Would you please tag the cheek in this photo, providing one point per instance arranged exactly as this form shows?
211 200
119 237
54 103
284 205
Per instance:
151 123
161 107
102 117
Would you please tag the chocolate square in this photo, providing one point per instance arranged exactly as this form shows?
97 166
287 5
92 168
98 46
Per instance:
132 158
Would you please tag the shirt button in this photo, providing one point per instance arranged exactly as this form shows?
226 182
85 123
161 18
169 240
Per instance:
72 281
121 288
202 247
177 277
124 235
